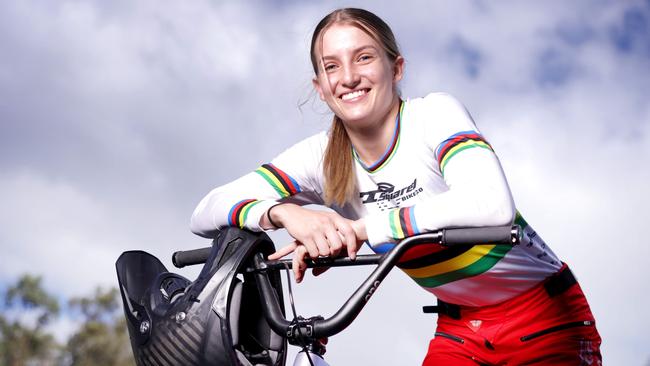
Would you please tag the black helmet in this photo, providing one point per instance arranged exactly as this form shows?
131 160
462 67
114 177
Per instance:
215 320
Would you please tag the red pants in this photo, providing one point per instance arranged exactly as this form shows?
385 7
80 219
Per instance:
530 329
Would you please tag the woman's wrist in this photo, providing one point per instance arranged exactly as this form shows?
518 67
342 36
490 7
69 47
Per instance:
269 217
359 227
275 216
268 220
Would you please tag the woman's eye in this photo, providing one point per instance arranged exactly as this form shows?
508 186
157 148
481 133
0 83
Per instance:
364 58
330 67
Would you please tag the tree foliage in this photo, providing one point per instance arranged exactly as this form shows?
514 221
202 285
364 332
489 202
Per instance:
25 339
103 337
29 293
22 343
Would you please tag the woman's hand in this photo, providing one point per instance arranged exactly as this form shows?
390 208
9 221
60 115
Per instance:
322 233
316 233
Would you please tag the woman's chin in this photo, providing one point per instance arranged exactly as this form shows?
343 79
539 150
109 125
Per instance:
354 120
355 114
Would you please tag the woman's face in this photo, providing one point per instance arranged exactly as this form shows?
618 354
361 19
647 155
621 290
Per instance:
356 79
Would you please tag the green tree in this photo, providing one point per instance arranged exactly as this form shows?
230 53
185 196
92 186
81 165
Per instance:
102 339
25 344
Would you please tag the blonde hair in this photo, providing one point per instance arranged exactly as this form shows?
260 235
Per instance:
338 162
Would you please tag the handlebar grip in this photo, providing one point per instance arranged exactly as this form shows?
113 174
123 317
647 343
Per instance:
481 235
190 257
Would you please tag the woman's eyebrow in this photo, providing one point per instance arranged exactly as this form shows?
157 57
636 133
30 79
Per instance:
356 50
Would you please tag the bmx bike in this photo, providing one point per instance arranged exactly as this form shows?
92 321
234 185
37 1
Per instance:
233 312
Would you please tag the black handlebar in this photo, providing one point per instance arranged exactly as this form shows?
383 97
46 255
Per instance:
481 235
446 237
318 327
191 257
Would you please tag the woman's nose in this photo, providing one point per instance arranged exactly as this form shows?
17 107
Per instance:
351 77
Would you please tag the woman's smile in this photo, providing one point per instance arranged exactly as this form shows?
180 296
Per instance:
354 95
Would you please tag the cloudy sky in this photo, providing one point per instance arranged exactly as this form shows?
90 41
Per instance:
117 117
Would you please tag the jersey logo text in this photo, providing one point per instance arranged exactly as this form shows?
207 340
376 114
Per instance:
386 191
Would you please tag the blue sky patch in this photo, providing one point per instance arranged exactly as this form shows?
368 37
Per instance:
553 68
468 55
632 33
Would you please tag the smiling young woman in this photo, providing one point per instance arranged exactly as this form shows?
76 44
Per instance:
392 168
357 64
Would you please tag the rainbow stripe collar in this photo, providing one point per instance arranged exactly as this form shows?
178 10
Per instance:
390 151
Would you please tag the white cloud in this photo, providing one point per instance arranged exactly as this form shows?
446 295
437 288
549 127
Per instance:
53 228
116 117
73 238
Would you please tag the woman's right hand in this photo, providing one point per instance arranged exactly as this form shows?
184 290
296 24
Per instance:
316 234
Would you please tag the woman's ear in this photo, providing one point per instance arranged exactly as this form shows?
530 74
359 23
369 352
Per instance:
398 69
318 88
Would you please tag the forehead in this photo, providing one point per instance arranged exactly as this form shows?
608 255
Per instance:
341 38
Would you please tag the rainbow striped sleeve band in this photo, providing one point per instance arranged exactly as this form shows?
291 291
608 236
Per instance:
457 143
239 212
279 180
402 222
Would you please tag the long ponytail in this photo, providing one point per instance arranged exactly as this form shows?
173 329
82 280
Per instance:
338 166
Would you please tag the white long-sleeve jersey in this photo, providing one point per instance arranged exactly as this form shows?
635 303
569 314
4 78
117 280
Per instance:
438 172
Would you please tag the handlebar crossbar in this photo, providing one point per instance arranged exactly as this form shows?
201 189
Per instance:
360 260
